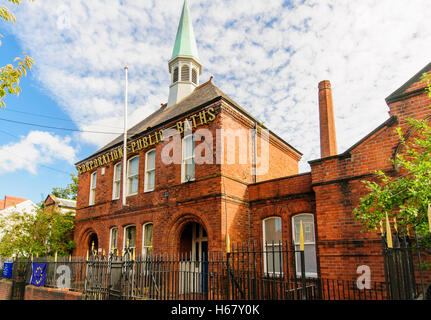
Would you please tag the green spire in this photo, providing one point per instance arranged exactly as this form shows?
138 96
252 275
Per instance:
185 43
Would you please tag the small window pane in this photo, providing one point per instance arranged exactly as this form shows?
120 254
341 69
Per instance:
114 235
94 180
130 236
151 160
134 166
273 230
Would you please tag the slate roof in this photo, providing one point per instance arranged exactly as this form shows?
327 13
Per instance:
399 93
201 97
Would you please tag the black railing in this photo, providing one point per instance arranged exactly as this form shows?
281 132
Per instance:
407 267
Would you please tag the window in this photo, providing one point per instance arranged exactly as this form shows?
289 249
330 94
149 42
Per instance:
272 246
175 75
130 239
188 159
117 179
150 171
93 184
147 239
113 240
132 176
194 76
185 73
309 243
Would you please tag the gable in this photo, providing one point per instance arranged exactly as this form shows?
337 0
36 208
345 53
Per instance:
411 87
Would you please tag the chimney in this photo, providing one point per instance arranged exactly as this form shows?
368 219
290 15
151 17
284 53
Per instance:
328 139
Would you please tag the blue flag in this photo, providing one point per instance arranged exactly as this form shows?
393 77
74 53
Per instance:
38 275
7 270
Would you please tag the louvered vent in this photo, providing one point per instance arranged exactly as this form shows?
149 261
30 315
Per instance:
194 76
175 75
185 73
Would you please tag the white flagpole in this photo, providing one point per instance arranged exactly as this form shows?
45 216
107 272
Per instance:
125 141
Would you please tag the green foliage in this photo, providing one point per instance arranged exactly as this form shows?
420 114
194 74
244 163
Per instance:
10 74
407 196
43 233
69 192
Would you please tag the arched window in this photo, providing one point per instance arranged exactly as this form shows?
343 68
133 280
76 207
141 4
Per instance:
129 240
175 75
272 246
188 159
194 76
113 236
309 243
93 184
185 73
132 176
117 179
150 171
147 239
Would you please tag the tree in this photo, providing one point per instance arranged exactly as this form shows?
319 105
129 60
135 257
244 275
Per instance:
405 197
10 75
69 192
42 233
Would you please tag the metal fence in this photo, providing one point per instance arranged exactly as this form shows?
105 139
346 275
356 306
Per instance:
407 262
248 272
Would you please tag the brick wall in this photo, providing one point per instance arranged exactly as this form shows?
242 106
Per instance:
42 293
5 289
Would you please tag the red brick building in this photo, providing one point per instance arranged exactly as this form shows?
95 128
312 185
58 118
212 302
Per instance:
251 191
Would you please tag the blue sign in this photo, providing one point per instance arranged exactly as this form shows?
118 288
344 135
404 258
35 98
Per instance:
7 270
38 275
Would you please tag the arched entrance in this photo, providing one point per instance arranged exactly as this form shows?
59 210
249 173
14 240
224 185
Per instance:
194 242
93 243
194 250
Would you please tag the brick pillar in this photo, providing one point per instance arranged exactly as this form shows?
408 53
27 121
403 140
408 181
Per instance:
328 139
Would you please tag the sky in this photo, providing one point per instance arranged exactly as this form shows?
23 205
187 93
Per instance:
267 55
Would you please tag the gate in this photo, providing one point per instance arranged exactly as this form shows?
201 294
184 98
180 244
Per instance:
405 261
108 278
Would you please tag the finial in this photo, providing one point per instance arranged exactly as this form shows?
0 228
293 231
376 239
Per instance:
211 79
301 238
389 233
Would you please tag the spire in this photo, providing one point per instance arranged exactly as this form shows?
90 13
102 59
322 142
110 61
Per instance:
184 66
185 43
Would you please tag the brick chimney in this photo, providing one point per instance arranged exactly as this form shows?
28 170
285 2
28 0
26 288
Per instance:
328 139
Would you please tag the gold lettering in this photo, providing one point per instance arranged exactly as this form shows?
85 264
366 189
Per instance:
187 126
104 159
151 142
139 144
211 114
115 154
87 167
203 118
133 146
145 140
180 127
100 163
193 117
120 153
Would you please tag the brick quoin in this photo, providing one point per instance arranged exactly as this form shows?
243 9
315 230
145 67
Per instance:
230 199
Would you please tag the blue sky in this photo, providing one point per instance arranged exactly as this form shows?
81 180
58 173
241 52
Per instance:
267 55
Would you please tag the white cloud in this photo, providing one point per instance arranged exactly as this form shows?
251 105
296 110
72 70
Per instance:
33 150
267 56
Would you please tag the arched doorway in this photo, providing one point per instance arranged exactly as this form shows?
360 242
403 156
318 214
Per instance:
93 243
193 248
194 242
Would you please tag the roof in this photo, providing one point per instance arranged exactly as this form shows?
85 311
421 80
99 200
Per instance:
67 203
10 201
185 42
399 93
202 96
26 206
